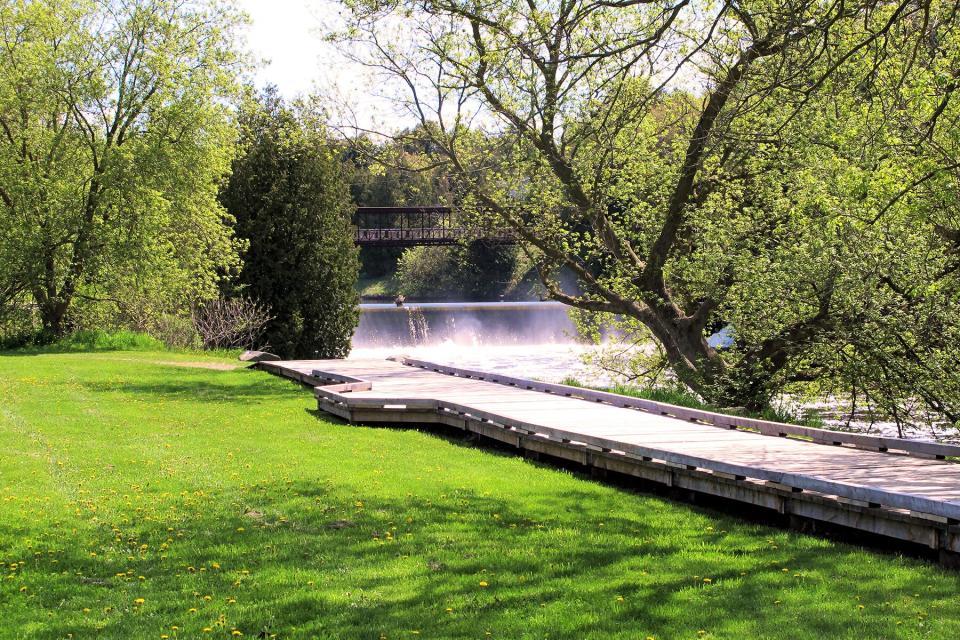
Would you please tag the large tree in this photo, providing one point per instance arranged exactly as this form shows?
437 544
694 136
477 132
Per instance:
115 131
754 162
289 195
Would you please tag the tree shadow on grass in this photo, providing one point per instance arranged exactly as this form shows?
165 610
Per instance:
304 560
238 385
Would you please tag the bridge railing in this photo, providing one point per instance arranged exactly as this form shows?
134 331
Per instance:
413 226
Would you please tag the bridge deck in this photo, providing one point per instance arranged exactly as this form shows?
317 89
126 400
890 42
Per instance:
912 493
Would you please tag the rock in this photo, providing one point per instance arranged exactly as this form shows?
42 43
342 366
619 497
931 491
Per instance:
258 356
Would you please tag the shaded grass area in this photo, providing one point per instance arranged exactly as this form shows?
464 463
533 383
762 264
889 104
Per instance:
141 499
89 340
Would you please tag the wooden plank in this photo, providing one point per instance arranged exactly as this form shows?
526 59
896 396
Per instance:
823 436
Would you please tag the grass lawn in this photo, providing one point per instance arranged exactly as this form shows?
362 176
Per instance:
146 495
381 286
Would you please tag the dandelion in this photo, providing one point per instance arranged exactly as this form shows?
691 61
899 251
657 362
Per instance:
214 565
483 583
208 598
449 609
619 598
207 629
236 633
707 581
86 610
23 589
240 529
139 601
192 610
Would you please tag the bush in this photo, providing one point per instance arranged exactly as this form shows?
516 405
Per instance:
231 323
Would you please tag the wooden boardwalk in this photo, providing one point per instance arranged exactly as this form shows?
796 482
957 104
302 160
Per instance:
897 488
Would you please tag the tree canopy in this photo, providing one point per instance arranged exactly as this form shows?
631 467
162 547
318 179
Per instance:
786 167
115 131
291 201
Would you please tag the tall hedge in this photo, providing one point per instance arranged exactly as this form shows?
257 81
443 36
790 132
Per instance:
291 202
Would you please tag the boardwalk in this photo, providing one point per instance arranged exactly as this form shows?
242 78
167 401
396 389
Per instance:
900 489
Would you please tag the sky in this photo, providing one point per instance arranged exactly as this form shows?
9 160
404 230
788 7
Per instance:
287 36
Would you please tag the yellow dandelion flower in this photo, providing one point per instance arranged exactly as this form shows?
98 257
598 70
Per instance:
86 610
22 589
192 610
214 565
139 601
207 629
236 632
240 529
619 598
449 609
483 583
208 598
707 580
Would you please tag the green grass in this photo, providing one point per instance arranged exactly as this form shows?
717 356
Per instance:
142 499
379 287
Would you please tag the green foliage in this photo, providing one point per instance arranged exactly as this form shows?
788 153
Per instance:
291 203
476 271
116 131
146 491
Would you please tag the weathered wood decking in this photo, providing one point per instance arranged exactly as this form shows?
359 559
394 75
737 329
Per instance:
896 488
